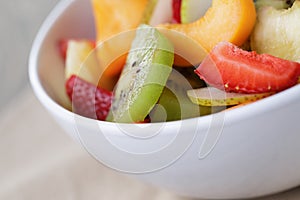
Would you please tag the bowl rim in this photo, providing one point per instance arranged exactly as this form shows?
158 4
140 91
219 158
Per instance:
265 105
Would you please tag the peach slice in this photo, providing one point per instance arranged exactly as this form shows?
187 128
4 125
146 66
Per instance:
112 53
111 18
225 20
187 51
115 16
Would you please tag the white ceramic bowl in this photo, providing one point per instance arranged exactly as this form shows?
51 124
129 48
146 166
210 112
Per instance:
242 153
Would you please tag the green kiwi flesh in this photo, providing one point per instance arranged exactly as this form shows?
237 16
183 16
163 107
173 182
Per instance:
144 76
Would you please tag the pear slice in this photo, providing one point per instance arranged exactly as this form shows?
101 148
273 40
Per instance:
277 32
192 10
210 96
158 12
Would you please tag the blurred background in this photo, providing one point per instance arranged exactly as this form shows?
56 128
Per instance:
19 21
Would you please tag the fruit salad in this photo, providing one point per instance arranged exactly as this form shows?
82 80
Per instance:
166 60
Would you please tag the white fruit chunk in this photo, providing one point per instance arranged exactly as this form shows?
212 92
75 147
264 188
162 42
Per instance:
210 96
158 12
277 32
80 61
191 10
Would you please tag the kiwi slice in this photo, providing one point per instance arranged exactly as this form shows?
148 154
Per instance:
143 77
174 103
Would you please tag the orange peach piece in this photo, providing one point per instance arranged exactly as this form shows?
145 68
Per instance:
225 20
111 18
115 16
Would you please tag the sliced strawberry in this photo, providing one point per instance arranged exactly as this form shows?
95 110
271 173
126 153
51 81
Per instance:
176 4
87 99
232 69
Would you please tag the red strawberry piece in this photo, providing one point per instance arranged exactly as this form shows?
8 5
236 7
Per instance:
232 69
87 99
176 4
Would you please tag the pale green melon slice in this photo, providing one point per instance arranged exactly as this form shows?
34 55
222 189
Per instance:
277 32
